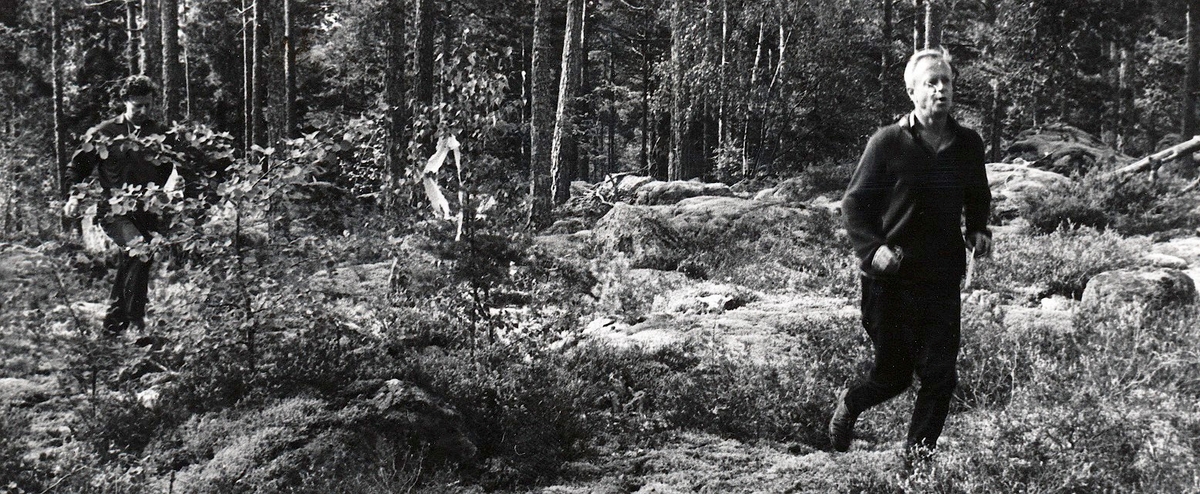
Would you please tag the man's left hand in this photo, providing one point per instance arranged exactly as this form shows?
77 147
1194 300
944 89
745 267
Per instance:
980 243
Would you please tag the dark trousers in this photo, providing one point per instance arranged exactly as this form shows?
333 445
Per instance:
915 328
129 292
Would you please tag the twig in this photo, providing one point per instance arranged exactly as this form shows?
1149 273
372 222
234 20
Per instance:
62 293
61 480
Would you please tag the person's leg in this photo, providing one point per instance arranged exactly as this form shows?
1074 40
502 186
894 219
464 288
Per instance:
936 366
886 316
123 232
139 273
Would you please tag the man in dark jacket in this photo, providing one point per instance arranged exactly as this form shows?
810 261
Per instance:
126 150
904 210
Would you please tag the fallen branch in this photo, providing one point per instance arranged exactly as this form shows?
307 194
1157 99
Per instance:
1151 162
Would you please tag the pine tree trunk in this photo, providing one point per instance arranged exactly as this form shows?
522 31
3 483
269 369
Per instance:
933 34
394 95
723 80
675 163
151 40
885 57
1188 127
290 125
171 70
541 125
133 39
996 123
425 17
560 165
60 151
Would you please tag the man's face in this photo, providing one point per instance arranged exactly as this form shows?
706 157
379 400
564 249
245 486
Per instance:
137 108
932 92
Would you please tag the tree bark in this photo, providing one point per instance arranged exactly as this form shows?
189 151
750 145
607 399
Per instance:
171 69
541 125
258 99
425 17
394 95
1188 127
918 26
675 163
247 76
933 31
60 150
133 38
885 57
290 125
151 46
996 121
564 125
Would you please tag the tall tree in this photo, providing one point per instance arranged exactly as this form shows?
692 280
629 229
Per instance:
151 46
258 98
395 94
290 129
60 151
564 119
172 70
675 164
247 19
541 125
918 39
424 27
933 30
1191 69
133 37
885 59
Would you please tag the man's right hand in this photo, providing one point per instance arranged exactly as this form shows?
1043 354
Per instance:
71 208
887 259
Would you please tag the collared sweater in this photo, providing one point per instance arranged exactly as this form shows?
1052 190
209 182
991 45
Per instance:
905 194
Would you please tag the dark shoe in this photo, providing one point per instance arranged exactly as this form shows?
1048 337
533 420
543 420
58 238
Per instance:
841 426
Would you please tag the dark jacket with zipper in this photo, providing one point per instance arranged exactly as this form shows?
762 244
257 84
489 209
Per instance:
906 194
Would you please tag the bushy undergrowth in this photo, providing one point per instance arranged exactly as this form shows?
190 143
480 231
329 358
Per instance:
1129 205
1057 263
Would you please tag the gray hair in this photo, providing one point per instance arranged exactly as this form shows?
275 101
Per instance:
938 53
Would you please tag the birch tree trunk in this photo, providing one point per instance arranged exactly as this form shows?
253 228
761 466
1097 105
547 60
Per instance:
290 129
541 126
247 75
564 126
258 98
918 39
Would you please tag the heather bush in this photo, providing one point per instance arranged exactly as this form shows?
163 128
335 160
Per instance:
1129 205
1057 263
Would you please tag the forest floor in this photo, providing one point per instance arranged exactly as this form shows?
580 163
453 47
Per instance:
715 374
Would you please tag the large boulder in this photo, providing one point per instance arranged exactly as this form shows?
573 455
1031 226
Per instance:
659 237
793 191
643 234
1141 289
1010 182
678 190
1064 149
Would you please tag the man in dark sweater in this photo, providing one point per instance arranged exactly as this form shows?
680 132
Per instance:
904 208
122 151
